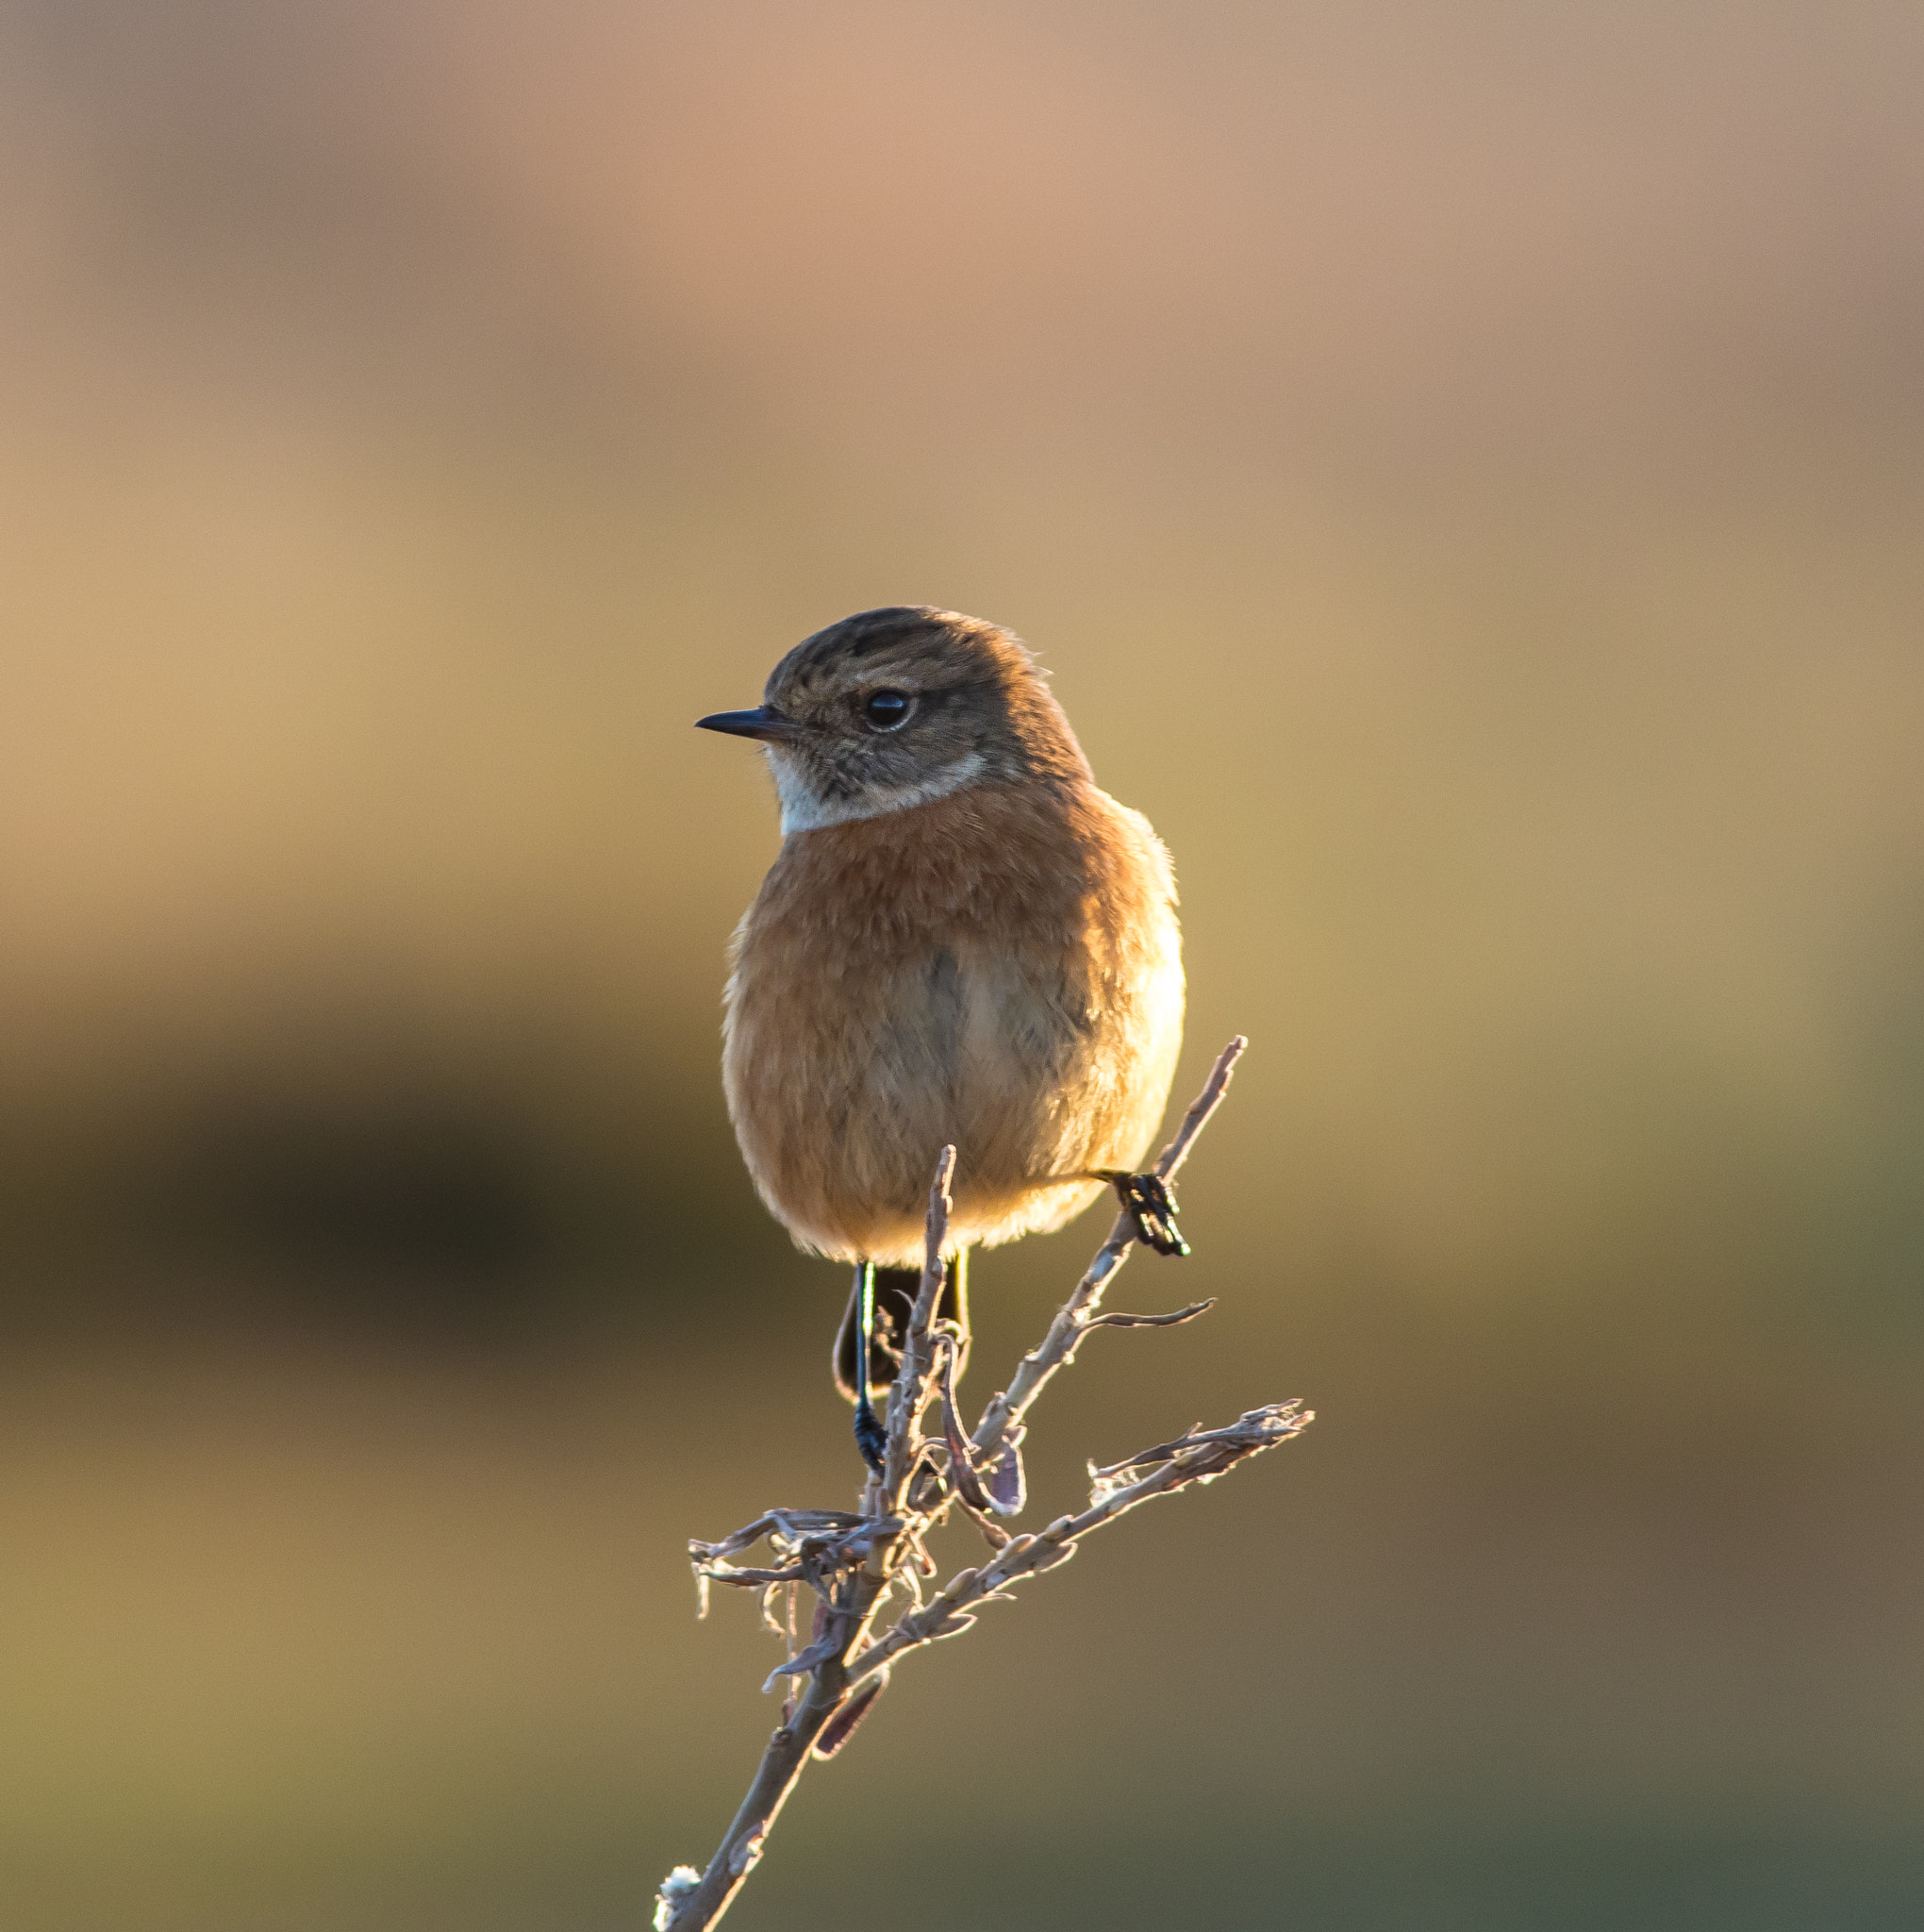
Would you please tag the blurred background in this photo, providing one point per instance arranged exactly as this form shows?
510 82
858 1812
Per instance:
1463 464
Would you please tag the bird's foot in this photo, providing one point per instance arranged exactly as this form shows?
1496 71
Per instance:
871 1437
1151 1210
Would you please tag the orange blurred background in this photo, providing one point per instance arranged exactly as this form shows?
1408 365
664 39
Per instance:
1463 466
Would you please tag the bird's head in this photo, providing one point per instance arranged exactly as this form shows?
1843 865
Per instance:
896 708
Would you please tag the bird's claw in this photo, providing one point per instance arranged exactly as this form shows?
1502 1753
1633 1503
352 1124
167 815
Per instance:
872 1438
1151 1210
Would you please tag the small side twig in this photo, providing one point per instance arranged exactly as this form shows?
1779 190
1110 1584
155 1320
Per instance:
1075 1319
1029 1556
854 1561
911 1392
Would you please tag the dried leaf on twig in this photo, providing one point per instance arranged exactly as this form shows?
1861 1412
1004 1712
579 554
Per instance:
1171 1321
842 1726
1008 1488
803 1662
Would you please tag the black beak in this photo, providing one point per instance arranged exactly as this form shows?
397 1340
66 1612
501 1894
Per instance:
759 723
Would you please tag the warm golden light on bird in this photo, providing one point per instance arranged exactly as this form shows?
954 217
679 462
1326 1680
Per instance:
963 940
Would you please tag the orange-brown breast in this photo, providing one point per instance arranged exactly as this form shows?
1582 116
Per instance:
1000 968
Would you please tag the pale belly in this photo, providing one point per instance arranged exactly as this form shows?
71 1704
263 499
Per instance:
844 1086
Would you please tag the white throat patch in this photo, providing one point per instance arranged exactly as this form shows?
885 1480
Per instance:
801 812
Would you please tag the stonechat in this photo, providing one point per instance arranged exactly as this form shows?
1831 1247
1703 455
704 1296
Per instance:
962 941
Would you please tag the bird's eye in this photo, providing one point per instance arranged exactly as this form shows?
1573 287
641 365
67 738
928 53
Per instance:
886 710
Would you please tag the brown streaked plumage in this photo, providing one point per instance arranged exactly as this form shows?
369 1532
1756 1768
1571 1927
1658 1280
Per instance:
963 939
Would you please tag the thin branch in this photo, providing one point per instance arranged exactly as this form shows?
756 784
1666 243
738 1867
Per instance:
684 1904
852 1562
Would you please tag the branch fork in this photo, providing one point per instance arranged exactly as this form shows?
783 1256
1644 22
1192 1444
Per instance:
856 1562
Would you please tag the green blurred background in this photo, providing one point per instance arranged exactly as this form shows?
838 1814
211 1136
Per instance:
1463 465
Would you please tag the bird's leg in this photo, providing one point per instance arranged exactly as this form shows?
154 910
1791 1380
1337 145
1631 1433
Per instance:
875 1332
870 1436
1151 1210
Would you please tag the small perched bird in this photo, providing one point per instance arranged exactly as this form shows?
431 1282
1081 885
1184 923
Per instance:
963 940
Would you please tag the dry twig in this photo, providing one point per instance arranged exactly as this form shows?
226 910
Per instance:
854 1561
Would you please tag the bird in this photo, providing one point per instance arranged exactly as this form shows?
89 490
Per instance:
963 941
